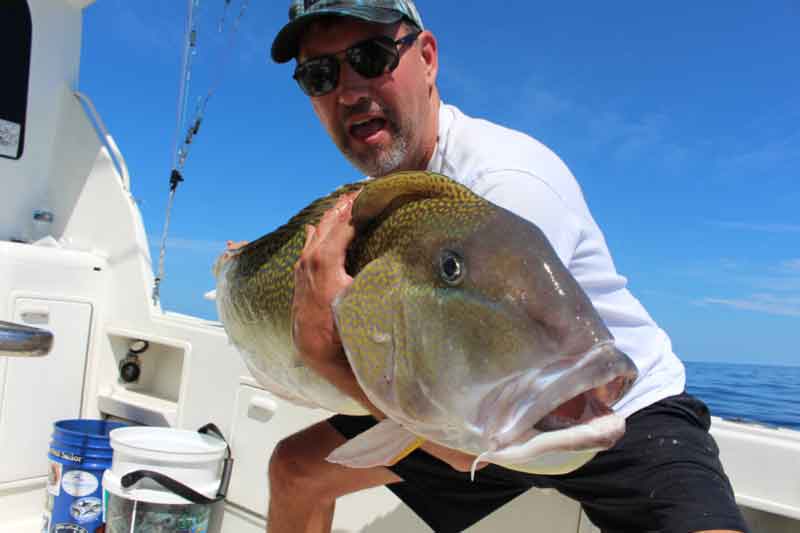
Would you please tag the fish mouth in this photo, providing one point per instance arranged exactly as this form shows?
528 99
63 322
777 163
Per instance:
567 394
580 409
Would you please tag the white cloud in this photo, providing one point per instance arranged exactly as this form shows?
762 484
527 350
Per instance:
155 27
791 265
763 303
193 245
777 283
758 227
777 286
540 105
779 153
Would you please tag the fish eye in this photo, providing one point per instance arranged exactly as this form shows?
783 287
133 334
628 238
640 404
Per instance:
451 267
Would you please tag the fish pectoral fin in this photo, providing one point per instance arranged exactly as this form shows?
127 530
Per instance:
382 445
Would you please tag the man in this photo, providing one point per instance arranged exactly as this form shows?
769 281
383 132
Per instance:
369 69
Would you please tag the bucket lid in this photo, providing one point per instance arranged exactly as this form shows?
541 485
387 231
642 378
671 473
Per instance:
168 444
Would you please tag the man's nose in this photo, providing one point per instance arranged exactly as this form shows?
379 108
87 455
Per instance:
353 87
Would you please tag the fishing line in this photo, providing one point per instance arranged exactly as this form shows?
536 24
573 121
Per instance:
182 142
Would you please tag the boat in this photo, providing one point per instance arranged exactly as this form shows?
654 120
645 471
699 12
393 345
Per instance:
88 280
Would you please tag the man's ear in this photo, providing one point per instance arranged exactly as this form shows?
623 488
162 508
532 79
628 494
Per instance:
430 56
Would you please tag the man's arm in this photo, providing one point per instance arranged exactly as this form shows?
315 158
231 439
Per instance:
319 275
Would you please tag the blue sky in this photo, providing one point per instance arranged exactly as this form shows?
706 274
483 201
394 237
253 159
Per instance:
680 120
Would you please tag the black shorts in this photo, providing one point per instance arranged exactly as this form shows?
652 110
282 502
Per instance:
664 475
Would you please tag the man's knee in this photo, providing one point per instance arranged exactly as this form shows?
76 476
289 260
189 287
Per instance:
298 464
291 467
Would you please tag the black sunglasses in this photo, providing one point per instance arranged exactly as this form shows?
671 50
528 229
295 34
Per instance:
370 58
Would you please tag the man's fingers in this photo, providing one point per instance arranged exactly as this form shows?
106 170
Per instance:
344 206
230 249
338 232
310 231
326 244
300 264
335 216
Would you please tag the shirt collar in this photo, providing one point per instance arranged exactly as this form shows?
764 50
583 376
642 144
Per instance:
445 120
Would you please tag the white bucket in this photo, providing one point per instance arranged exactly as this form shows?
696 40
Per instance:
189 457
192 458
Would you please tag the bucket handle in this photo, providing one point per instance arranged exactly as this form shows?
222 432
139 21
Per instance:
184 491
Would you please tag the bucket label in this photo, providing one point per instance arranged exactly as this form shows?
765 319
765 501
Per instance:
68 528
86 509
79 483
54 478
66 456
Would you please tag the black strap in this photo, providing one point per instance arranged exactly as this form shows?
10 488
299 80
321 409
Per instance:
227 464
184 491
172 485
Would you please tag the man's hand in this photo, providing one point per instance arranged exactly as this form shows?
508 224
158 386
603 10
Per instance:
319 275
231 248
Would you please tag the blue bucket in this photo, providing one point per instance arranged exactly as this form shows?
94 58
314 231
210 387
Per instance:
79 454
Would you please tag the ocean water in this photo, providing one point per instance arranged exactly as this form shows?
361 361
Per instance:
768 395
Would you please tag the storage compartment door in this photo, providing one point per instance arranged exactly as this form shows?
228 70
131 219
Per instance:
41 390
261 420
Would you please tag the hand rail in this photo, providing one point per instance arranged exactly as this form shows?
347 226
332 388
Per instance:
18 340
116 155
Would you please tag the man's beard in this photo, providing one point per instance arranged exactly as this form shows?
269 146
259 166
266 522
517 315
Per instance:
379 161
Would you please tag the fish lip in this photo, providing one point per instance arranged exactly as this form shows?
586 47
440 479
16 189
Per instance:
537 393
573 447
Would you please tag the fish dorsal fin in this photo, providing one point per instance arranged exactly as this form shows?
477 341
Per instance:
388 193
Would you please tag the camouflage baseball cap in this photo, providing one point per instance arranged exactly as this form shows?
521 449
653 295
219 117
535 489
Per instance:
302 12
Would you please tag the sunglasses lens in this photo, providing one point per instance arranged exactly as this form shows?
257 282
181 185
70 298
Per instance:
373 58
319 76
370 59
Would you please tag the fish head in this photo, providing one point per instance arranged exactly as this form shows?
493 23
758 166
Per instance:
470 331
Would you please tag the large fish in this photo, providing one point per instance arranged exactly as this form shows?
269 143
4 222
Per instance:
461 324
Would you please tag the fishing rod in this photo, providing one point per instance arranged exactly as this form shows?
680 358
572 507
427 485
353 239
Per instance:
185 131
